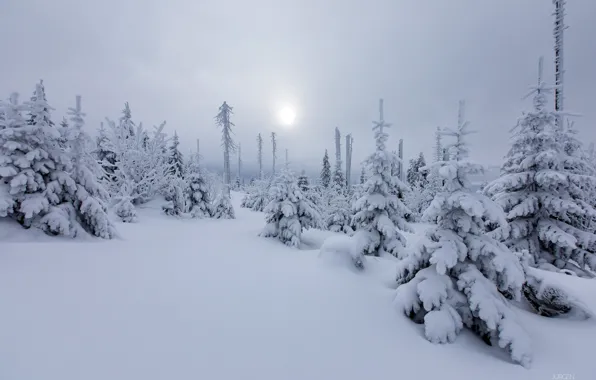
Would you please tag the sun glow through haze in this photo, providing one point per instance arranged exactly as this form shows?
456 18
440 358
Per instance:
287 115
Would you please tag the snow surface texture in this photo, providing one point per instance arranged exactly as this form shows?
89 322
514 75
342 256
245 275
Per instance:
343 250
179 299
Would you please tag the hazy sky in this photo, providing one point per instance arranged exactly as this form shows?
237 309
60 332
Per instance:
178 60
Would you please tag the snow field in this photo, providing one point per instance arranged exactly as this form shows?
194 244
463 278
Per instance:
209 299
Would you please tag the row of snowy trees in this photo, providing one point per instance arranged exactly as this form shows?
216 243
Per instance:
48 178
56 178
138 166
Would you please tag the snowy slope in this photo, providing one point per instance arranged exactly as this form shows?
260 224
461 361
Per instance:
209 299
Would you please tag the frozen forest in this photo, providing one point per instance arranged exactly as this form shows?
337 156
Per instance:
341 241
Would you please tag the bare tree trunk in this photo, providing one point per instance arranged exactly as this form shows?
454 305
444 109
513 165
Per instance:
349 141
239 161
260 156
401 159
558 31
274 148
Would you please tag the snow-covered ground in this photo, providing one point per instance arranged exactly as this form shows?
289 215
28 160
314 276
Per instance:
209 299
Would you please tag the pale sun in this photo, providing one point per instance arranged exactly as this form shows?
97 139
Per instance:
287 115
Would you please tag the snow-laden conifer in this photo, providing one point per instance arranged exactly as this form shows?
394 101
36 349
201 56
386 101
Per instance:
257 196
127 126
379 213
303 182
326 171
418 197
89 196
199 197
33 165
63 130
289 212
105 155
177 193
200 206
222 206
237 184
415 176
457 274
338 216
176 159
545 188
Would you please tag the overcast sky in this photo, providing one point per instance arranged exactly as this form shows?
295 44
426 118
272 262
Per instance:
332 60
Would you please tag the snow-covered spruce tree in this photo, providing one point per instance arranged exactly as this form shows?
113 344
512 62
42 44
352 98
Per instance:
199 197
338 216
89 196
363 176
458 274
246 201
229 147
303 182
6 200
326 171
416 177
545 193
11 121
176 159
63 130
222 207
123 207
258 196
314 193
34 167
379 215
40 116
126 124
415 201
289 212
200 206
581 164
105 155
178 187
